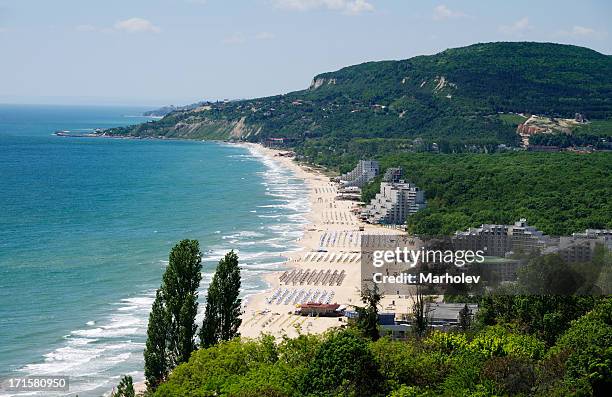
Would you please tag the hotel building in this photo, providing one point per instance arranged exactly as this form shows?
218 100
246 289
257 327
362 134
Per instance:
364 172
395 202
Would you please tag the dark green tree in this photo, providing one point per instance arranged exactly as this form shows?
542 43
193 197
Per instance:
125 388
367 316
155 356
465 318
549 275
222 316
343 366
420 311
180 292
171 329
588 341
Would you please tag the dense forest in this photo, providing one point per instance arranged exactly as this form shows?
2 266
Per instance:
518 345
560 193
563 140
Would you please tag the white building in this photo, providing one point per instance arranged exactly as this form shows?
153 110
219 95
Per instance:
364 172
394 203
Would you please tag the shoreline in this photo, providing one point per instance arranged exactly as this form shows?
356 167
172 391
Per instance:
257 309
327 261
326 218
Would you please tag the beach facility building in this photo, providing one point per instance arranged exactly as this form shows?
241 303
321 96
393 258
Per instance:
314 309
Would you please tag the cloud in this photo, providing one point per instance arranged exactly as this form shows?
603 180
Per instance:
264 36
236 38
582 32
442 12
358 6
517 28
86 28
352 7
136 25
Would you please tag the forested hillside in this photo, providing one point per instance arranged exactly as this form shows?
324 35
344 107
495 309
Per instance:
451 98
560 193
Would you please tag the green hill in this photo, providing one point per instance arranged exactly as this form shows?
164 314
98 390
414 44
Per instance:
454 97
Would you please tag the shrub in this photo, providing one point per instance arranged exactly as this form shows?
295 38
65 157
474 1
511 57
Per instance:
589 344
345 365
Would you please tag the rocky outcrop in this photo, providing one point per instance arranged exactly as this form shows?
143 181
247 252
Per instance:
320 81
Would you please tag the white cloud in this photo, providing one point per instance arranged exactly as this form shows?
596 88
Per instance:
136 25
358 6
264 36
582 32
517 28
85 28
442 12
352 7
236 38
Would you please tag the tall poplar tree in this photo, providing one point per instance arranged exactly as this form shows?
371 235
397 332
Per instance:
171 329
155 355
180 290
222 316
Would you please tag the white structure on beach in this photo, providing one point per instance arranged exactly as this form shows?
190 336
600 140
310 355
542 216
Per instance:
364 172
394 203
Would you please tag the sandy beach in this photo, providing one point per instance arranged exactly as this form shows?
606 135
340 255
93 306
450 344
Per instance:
326 268
326 262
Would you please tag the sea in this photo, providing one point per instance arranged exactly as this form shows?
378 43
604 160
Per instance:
86 226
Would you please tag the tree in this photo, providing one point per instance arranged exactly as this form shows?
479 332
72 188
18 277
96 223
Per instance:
171 329
420 311
465 318
545 316
156 363
588 342
367 316
179 286
125 388
343 365
549 275
222 316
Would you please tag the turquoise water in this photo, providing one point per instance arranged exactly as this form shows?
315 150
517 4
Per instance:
86 225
